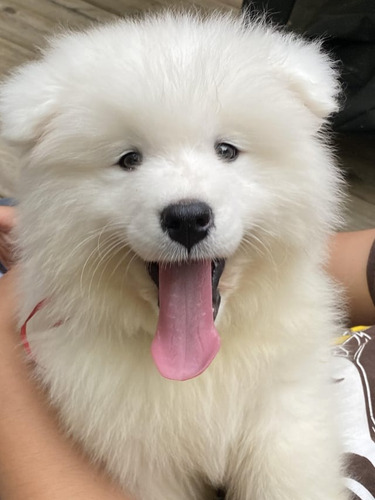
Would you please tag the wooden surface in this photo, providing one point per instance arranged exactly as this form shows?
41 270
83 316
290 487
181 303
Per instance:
24 25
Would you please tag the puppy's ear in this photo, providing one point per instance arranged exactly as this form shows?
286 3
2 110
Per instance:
27 102
309 72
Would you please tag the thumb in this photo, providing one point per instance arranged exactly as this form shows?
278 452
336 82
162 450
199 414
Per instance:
7 218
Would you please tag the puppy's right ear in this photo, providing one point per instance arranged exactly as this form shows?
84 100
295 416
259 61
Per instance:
27 102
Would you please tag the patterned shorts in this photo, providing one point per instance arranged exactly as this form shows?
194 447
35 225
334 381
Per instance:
354 377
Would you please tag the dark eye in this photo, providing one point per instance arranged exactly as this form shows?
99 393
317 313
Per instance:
130 160
226 151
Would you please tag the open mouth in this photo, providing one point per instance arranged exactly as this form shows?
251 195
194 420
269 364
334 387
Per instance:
186 340
217 268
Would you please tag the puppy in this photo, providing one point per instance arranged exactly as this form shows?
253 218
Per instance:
175 202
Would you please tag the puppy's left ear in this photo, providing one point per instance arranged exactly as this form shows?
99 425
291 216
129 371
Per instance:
309 72
27 102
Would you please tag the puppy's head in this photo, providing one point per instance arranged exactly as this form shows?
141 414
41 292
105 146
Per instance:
163 148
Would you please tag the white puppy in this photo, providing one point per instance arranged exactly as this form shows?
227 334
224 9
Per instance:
158 152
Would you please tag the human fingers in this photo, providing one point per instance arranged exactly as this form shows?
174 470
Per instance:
7 218
7 222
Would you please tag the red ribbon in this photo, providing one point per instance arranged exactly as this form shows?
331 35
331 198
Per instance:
23 333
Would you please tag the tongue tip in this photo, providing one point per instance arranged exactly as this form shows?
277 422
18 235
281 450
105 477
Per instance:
187 372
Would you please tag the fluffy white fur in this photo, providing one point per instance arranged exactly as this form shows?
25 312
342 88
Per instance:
260 420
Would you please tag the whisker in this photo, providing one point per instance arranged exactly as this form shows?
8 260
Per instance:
110 244
127 268
120 247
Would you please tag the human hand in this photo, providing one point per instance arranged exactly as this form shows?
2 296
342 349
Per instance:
7 222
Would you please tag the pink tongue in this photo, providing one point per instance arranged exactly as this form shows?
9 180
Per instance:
186 340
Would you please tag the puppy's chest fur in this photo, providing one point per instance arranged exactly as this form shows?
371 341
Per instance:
112 399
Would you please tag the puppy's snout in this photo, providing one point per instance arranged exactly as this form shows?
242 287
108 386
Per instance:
187 222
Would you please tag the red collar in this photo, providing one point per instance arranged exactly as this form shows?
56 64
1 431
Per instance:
23 332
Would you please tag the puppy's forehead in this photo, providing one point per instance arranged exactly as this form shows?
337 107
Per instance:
160 60
178 72
169 69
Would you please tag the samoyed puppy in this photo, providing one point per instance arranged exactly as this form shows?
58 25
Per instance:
175 201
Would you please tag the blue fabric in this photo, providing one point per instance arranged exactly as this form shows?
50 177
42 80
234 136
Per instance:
8 202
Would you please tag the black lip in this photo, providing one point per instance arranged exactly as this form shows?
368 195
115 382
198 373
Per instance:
217 267
217 271
153 271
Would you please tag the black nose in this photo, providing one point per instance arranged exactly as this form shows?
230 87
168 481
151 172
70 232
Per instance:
187 222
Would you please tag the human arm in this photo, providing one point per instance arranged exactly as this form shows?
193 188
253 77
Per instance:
347 264
36 461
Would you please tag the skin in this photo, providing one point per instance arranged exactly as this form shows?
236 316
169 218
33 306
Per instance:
347 264
7 221
37 461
